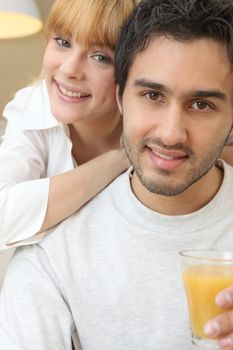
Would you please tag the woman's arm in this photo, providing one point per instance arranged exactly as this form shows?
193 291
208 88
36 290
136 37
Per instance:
30 201
24 186
70 191
33 196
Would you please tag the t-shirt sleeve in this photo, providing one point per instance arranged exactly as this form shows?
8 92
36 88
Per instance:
33 309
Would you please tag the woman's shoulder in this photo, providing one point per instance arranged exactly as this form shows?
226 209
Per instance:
21 100
30 108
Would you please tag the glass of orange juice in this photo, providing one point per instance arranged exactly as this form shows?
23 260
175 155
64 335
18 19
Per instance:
205 274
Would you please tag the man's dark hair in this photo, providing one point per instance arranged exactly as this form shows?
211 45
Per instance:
182 20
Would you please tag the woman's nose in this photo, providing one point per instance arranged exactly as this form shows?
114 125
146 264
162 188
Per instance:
73 66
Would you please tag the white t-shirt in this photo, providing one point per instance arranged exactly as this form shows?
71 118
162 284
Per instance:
110 273
34 148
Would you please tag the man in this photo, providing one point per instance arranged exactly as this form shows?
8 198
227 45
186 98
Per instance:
110 274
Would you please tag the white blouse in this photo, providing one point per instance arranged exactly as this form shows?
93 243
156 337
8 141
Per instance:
34 148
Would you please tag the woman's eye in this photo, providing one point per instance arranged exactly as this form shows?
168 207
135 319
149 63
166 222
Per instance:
102 58
201 105
62 42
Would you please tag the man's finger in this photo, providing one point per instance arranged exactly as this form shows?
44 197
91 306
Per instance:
220 326
225 298
226 343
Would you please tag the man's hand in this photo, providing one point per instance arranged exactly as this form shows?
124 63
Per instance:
221 327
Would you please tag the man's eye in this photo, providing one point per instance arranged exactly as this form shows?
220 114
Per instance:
155 96
62 42
102 58
201 105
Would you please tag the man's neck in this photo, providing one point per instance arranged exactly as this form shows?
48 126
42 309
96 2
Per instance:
189 201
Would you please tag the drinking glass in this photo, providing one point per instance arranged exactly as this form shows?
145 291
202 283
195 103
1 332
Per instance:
205 273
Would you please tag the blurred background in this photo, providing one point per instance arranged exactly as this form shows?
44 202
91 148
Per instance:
20 59
20 64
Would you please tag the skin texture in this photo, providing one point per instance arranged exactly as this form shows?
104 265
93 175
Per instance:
72 66
175 125
177 117
94 119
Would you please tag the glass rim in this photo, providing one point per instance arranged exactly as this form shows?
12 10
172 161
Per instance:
208 254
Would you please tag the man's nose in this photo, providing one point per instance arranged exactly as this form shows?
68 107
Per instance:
172 128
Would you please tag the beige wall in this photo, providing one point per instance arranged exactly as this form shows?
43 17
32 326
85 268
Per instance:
20 63
20 60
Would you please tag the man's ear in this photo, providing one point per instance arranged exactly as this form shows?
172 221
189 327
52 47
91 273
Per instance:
119 99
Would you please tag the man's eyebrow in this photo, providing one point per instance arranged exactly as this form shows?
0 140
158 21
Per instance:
209 93
151 85
163 88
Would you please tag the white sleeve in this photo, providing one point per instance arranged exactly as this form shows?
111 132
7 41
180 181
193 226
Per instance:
33 311
24 188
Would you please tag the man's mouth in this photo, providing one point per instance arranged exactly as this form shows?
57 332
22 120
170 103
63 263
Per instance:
166 159
164 156
167 154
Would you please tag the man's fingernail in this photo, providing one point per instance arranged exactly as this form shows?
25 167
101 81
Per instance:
223 299
225 342
211 329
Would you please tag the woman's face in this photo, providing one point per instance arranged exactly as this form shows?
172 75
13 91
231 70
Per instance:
80 81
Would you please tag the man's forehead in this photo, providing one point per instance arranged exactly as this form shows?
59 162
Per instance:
158 42
203 62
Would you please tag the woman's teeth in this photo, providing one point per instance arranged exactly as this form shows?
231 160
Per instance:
72 93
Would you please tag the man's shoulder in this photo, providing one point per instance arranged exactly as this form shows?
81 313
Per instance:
24 263
92 217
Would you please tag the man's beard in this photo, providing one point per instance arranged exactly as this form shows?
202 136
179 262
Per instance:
161 185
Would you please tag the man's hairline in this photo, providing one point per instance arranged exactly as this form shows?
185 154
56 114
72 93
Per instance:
169 37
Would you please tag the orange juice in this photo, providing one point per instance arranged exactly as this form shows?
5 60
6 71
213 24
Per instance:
202 284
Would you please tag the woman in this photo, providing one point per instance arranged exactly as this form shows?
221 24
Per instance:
61 144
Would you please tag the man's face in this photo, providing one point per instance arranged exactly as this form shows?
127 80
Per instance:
178 111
